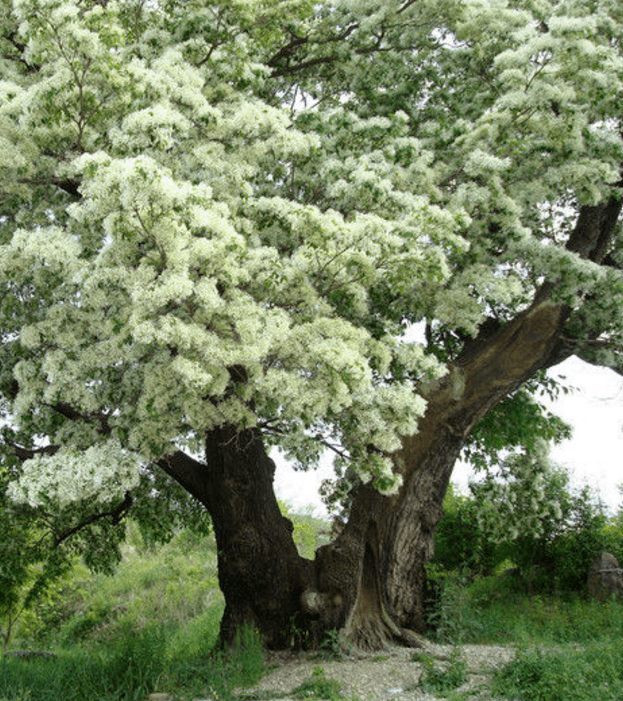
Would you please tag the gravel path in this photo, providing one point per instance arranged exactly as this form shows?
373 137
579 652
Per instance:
394 674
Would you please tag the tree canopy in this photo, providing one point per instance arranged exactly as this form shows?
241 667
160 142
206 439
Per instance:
228 213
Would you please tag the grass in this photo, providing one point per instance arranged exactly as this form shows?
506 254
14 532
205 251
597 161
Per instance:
570 648
594 673
127 669
492 611
131 668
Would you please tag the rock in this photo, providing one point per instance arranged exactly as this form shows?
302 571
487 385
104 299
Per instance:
605 578
160 697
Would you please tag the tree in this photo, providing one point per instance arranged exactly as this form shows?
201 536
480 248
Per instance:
217 220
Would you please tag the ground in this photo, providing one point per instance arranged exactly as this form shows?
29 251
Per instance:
394 674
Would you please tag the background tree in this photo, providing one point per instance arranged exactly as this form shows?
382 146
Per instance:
217 220
526 517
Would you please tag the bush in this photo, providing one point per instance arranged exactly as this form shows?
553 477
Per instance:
554 554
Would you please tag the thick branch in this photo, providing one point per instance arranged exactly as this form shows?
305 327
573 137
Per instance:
68 185
72 414
594 231
28 453
188 473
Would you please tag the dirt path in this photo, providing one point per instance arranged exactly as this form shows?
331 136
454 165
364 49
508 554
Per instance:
395 674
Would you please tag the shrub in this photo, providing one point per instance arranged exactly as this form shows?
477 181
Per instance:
552 548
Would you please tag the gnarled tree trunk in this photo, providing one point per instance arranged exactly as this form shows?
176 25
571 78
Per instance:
389 540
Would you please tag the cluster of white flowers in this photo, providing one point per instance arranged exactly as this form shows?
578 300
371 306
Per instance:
215 229
575 276
104 472
518 503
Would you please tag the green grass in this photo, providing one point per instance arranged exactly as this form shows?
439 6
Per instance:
594 673
492 611
127 669
570 648
135 665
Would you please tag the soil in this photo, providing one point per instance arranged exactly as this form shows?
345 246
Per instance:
393 675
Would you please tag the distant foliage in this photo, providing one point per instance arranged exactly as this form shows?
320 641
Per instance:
526 518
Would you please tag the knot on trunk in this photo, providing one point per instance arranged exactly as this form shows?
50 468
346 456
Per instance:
430 516
316 602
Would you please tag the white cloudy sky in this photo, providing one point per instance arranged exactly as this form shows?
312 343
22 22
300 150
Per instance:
594 455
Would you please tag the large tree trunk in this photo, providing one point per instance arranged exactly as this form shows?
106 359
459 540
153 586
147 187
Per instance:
260 571
388 540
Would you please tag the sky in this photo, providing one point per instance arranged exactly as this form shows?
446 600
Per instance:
593 455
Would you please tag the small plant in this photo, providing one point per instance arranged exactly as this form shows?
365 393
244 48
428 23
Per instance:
456 613
318 686
441 680
331 646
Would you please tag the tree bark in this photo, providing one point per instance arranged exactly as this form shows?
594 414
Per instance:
261 574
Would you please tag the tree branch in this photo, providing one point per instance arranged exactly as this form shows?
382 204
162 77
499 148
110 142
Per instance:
72 414
115 514
27 453
188 473
594 232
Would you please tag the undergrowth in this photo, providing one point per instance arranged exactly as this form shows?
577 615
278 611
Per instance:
594 673
492 611
569 647
152 626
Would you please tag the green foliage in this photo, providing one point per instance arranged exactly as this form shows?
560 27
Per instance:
309 532
525 517
518 421
459 541
498 610
30 564
153 626
452 610
128 667
591 674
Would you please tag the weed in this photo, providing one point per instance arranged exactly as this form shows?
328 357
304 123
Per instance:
331 646
318 686
440 680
